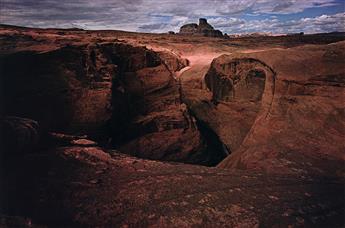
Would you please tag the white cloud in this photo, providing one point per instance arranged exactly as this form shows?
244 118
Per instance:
324 23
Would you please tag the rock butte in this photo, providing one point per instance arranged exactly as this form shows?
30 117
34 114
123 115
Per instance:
203 29
97 125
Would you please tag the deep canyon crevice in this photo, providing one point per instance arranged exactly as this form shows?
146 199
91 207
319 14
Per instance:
122 96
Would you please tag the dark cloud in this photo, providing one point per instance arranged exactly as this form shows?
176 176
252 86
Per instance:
164 15
282 6
152 26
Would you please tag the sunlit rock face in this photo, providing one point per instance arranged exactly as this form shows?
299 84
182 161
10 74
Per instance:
242 86
294 107
203 29
239 80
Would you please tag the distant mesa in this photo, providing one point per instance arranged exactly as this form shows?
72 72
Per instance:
203 29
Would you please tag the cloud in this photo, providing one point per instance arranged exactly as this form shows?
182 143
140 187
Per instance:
151 27
289 6
323 23
154 16
222 22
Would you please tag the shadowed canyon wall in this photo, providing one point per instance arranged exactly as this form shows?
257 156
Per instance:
120 95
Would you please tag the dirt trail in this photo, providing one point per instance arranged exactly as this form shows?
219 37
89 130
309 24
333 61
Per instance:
200 63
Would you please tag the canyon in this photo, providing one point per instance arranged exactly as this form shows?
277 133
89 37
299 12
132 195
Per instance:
112 128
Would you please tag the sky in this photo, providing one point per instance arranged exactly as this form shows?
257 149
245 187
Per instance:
156 16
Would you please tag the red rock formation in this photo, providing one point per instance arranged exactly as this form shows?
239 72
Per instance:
302 92
106 90
203 29
189 29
